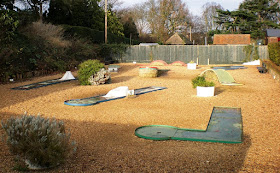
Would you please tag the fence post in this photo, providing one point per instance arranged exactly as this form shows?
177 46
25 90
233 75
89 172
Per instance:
197 53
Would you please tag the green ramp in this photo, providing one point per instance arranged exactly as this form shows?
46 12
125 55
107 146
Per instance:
224 126
223 76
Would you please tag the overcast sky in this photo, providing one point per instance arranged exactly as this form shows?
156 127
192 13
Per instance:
194 5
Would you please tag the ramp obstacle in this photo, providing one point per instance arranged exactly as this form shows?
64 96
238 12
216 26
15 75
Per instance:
224 126
101 98
223 76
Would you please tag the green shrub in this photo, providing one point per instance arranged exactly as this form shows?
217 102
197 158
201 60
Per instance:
42 142
8 26
274 52
88 68
201 81
112 51
252 53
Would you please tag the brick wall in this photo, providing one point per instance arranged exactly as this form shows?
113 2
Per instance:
272 40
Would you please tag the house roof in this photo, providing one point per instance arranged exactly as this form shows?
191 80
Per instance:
148 44
223 39
273 32
178 39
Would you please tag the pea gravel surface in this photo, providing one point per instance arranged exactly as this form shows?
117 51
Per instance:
105 132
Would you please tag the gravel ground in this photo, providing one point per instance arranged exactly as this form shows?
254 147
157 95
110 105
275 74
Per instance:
105 132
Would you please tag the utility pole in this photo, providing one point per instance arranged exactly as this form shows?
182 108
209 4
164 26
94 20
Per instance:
41 11
105 21
190 33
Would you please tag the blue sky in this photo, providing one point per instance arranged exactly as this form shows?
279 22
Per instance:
194 5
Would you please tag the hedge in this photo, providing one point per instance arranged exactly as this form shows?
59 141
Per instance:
274 52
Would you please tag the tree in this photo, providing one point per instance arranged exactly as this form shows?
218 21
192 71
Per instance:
198 29
35 5
134 21
130 29
166 17
85 13
7 4
209 14
112 4
253 17
114 24
59 12
8 26
139 16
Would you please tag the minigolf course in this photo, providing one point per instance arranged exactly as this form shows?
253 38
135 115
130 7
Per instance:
67 77
224 126
223 76
104 98
229 67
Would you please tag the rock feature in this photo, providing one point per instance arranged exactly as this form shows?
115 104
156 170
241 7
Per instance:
101 77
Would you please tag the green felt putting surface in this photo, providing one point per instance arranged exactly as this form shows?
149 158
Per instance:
40 84
114 66
100 98
225 126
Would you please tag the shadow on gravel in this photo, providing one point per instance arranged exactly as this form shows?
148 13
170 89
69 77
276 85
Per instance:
115 148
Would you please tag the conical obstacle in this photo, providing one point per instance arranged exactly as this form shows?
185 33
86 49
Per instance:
67 76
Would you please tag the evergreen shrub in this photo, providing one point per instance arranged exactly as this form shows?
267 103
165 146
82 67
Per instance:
87 69
201 81
274 52
42 142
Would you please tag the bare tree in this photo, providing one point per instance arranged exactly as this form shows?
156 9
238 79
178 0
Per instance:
166 17
160 18
198 29
139 14
35 5
209 14
112 4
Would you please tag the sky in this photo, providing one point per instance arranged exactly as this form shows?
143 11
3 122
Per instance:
194 5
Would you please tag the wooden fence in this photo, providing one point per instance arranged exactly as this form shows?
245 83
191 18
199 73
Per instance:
203 55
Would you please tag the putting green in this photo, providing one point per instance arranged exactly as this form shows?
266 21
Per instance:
41 84
98 99
225 126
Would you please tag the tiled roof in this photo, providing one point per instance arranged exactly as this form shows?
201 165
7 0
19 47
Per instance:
273 32
178 39
223 39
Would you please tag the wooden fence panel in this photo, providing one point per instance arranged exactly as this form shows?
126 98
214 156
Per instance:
210 54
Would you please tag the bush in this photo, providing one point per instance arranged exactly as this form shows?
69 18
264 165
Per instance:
201 81
87 69
112 51
8 26
274 52
42 142
252 52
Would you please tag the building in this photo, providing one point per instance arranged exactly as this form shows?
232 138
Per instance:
272 36
178 39
225 39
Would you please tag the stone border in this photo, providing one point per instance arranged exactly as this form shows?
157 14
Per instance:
272 69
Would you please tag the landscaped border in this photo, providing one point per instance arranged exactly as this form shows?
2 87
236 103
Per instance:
272 69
